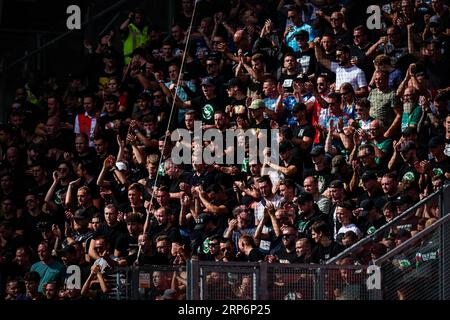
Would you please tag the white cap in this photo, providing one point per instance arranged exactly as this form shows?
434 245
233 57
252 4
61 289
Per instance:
121 166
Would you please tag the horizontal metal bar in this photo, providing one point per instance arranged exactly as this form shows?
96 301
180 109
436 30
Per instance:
372 236
407 243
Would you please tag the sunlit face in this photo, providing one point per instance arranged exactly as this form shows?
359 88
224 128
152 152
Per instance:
134 196
265 189
110 216
83 197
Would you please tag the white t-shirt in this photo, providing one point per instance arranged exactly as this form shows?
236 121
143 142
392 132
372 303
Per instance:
353 75
349 227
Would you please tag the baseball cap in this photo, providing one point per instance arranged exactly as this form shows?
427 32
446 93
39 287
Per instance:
435 20
403 199
208 81
285 146
337 184
436 142
368 175
336 163
234 82
298 107
69 249
305 197
409 131
121 166
202 220
81 214
317 151
408 145
302 77
169 294
366 206
256 104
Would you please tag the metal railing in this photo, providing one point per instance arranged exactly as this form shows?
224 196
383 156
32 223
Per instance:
419 268
262 281
437 199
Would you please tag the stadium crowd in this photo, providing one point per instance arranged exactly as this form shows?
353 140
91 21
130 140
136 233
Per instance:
87 176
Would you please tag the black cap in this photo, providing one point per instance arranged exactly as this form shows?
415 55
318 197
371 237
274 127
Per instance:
366 206
403 199
202 220
368 175
317 151
408 145
234 82
337 184
208 81
302 34
81 214
298 107
436 142
285 146
69 249
302 77
409 131
336 163
305 197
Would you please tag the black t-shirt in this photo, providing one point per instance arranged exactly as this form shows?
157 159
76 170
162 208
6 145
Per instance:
284 256
307 61
321 254
207 107
113 234
254 256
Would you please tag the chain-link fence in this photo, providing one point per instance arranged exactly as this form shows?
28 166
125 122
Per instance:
261 281
402 227
419 268
151 282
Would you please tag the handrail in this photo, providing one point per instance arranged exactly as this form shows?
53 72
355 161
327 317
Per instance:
411 240
372 236
32 53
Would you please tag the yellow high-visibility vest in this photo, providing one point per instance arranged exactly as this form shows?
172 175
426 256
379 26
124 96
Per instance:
135 39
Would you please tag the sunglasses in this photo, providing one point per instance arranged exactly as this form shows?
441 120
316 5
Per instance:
286 236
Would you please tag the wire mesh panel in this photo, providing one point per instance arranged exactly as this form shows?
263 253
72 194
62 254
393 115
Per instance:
118 281
229 282
153 282
418 270
286 282
316 282
402 225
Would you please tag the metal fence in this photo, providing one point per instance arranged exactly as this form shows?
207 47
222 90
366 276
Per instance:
435 205
419 269
262 281
414 268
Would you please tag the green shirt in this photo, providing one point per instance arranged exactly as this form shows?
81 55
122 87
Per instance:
410 119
